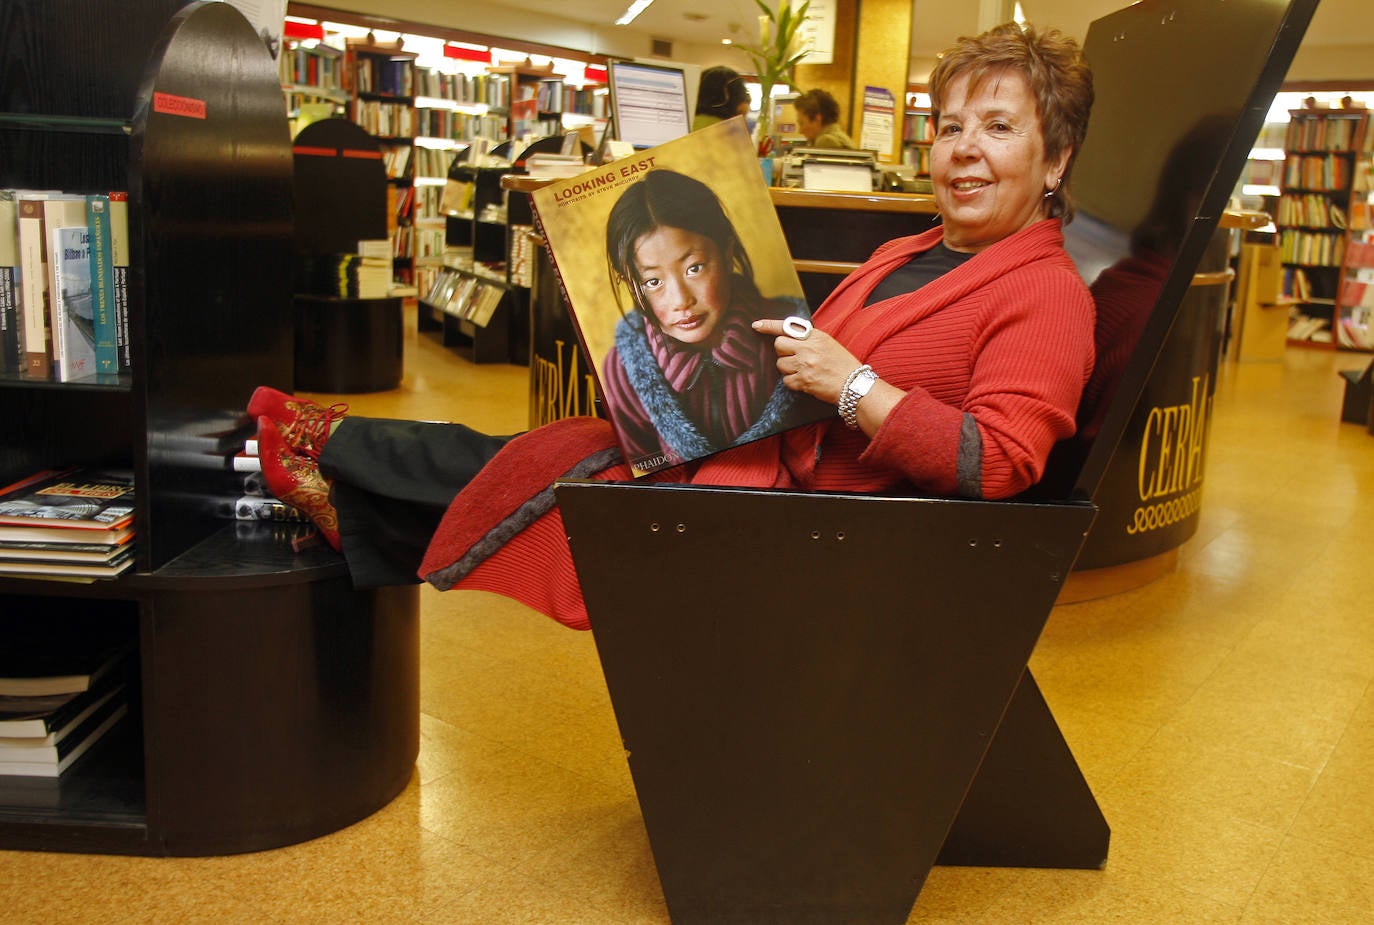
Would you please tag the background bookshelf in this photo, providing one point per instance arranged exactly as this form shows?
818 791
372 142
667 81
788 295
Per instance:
311 76
918 131
1324 151
381 81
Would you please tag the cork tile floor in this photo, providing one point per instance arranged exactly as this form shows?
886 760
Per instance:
1223 714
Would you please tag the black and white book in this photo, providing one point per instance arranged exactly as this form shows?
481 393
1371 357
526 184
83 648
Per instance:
50 760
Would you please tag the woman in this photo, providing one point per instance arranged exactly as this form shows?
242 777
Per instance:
955 358
721 95
818 119
687 376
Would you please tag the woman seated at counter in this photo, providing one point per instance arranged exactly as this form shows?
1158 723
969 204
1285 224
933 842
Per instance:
955 360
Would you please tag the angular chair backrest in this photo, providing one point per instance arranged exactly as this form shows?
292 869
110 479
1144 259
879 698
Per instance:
823 695
1182 92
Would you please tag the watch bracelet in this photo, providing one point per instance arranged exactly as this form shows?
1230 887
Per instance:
848 406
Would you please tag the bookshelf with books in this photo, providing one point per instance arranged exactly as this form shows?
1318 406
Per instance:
531 90
1354 322
180 104
312 76
442 131
472 266
487 243
1323 149
918 131
380 79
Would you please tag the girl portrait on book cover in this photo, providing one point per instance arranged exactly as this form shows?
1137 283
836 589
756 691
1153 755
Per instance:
682 372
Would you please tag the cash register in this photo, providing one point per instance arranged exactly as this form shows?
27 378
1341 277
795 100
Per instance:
831 169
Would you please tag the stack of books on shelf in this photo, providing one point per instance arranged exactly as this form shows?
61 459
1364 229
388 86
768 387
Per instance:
1304 327
72 524
254 500
349 276
58 697
64 266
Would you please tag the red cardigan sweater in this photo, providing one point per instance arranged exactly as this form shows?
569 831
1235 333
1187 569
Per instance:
1005 340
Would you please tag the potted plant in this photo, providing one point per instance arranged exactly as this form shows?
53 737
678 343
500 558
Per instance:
778 52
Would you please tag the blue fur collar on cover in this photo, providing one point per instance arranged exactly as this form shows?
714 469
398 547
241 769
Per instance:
678 432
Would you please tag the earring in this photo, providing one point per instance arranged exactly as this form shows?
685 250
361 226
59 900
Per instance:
1058 182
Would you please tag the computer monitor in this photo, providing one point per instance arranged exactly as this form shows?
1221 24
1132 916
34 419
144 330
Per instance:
648 103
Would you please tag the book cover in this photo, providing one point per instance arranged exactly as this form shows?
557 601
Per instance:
11 309
259 507
62 210
102 284
72 300
665 258
100 499
119 269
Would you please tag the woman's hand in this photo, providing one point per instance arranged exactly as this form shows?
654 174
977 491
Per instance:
817 364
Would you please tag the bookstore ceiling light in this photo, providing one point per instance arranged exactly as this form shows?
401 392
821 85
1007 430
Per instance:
632 11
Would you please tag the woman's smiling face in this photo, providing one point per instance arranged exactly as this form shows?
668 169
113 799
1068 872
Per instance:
686 281
988 161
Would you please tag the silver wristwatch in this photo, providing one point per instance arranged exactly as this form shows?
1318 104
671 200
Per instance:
856 386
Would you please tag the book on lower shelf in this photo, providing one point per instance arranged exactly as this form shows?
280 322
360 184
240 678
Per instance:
66 740
40 660
77 686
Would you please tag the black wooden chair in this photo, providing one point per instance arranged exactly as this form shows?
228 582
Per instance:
821 696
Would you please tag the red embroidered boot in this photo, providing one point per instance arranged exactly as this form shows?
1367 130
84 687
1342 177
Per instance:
296 480
305 425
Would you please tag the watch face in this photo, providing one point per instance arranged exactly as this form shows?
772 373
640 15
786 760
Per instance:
863 383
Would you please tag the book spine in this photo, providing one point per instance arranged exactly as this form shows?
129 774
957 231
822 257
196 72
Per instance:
119 266
57 303
11 310
34 284
102 285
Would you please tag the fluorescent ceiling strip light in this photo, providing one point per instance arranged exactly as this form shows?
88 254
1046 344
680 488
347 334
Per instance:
633 10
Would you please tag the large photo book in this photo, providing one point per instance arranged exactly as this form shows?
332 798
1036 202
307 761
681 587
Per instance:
665 258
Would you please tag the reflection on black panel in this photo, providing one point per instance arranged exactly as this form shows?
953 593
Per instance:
1181 93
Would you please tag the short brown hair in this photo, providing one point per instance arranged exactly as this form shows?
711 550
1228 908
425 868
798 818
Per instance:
1057 73
818 103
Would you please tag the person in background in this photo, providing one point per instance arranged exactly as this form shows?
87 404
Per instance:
818 118
721 95
955 360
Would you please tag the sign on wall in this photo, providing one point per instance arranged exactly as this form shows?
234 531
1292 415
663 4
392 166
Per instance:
819 32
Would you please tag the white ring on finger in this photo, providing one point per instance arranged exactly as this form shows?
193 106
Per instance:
796 327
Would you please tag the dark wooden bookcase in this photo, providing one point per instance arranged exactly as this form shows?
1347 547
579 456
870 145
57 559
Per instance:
271 702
